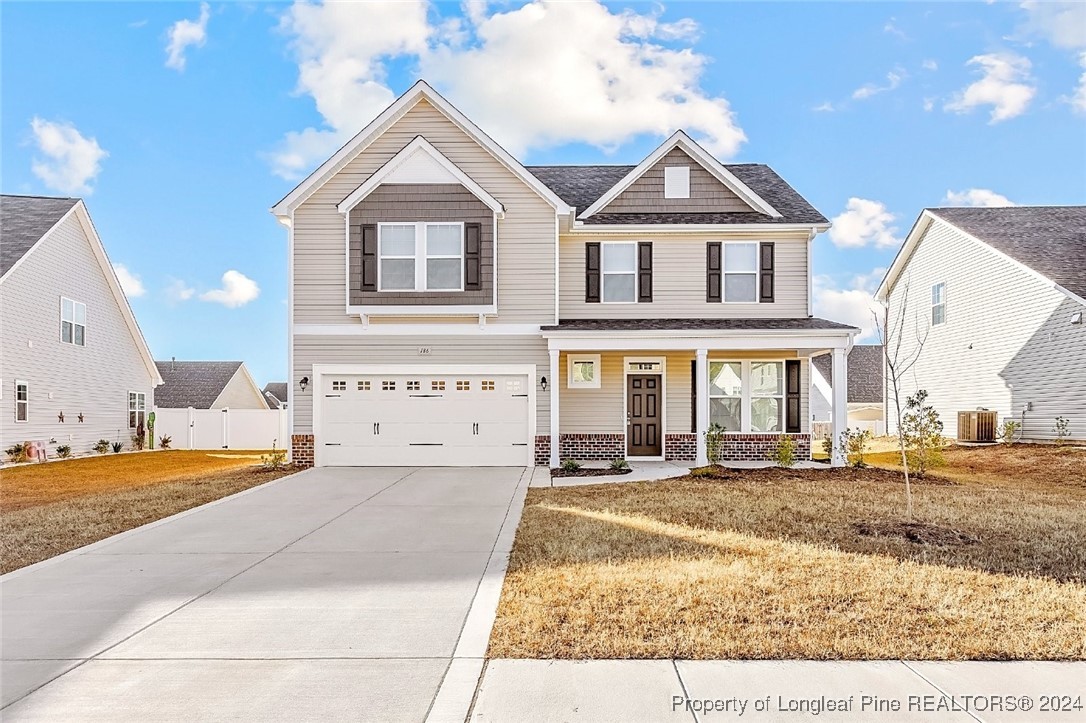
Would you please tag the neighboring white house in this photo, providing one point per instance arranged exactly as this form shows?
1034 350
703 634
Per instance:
75 367
207 385
866 409
1000 296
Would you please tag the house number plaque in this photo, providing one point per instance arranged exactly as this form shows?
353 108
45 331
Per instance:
424 351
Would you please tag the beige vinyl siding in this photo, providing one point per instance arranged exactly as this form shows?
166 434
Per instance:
525 246
1007 340
94 379
707 194
403 351
678 279
600 411
239 394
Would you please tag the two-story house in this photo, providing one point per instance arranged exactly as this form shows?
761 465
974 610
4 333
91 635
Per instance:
75 366
450 306
991 304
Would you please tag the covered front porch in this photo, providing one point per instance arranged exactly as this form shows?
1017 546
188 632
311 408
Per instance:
646 390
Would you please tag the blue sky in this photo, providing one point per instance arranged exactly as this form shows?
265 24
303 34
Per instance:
871 110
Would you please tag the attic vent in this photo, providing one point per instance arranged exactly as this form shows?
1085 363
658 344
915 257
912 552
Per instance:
677 182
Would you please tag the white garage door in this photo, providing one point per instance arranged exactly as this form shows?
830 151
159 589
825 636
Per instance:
424 420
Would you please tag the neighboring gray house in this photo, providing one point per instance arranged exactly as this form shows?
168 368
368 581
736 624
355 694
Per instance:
75 367
450 306
866 385
1000 294
275 393
207 385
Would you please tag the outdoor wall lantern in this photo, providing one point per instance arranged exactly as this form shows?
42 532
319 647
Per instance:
303 383
543 383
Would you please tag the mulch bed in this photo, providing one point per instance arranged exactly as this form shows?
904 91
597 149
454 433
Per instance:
588 472
828 474
921 533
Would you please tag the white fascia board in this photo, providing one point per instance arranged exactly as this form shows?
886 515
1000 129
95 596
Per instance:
429 368
424 310
642 228
421 331
703 157
713 341
382 122
419 144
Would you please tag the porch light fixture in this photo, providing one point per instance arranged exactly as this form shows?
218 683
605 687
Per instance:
303 383
543 383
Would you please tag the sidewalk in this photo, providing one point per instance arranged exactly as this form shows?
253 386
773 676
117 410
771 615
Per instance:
523 691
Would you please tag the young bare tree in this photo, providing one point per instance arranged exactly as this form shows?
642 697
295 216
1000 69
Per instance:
899 362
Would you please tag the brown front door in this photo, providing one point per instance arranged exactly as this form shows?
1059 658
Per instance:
643 401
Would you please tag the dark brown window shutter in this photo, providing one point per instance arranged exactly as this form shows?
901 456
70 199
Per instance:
792 396
592 272
694 396
713 271
765 267
473 252
369 257
644 271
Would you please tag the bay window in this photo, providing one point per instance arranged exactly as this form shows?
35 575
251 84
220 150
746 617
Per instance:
747 396
619 272
420 256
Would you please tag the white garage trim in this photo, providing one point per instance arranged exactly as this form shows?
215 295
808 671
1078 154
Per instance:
323 370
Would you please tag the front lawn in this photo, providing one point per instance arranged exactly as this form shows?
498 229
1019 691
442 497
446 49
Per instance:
815 564
47 509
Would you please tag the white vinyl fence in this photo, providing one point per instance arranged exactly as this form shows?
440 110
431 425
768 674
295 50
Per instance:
222 428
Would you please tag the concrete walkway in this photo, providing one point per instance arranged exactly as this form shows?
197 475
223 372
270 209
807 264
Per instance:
333 594
632 691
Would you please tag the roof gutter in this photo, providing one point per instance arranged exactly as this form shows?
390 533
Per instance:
811 228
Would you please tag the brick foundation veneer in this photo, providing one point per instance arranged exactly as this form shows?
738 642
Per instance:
301 450
677 447
681 447
758 447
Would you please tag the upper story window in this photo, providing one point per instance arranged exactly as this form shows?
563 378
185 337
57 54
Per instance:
938 303
740 272
676 181
73 322
421 256
619 272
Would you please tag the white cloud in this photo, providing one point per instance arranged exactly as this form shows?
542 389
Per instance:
71 161
184 33
929 104
237 290
1078 100
1061 23
177 291
891 28
862 223
929 65
977 197
853 305
825 107
525 75
1005 85
131 283
893 81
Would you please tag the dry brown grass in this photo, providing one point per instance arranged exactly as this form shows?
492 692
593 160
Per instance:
773 564
47 509
1029 464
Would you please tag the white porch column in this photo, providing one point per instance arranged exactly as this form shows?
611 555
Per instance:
556 384
840 406
701 414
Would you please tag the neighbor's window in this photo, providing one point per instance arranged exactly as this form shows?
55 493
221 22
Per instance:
726 395
740 272
938 303
22 401
137 408
420 257
584 372
619 270
73 322
766 396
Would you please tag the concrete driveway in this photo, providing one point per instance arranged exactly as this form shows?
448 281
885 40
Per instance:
330 594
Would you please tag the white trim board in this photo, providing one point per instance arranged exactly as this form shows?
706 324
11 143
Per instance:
419 330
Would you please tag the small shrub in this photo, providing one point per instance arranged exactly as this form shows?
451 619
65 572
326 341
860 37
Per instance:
714 442
703 472
784 451
1062 430
101 446
854 442
827 446
64 451
117 447
619 464
922 432
1008 431
139 439
16 452
164 441
571 465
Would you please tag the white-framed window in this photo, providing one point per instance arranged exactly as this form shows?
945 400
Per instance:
938 303
420 256
618 271
137 409
22 401
583 371
740 273
676 181
73 322
747 396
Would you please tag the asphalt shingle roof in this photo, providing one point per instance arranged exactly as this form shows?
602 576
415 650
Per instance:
24 220
695 324
865 373
581 186
194 384
1051 240
278 390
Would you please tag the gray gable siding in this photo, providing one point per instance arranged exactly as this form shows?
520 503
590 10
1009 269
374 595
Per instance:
93 380
707 194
